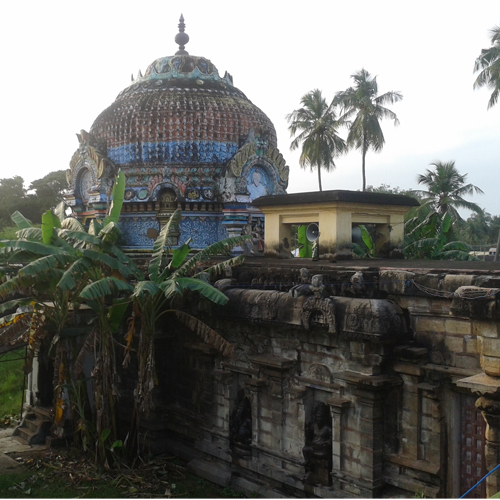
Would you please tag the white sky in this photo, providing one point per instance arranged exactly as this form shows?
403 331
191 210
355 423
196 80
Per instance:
63 62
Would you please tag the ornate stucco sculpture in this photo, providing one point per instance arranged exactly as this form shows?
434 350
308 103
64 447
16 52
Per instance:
185 138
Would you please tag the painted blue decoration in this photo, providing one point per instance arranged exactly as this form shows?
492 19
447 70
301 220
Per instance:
173 152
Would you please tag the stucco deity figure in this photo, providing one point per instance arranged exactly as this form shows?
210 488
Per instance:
315 249
318 447
255 186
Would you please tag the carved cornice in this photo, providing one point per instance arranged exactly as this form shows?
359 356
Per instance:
322 306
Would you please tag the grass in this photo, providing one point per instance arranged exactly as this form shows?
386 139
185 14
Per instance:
67 473
11 382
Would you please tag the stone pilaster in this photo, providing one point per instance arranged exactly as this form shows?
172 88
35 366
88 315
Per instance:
490 409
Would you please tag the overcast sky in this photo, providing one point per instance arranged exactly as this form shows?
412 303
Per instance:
63 62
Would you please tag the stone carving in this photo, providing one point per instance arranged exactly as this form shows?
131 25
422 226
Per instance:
305 276
241 157
371 317
320 373
317 286
320 311
318 449
240 427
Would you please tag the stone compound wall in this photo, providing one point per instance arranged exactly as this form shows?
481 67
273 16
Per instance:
397 358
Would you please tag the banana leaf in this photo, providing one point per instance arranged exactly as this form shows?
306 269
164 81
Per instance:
221 247
48 225
161 247
108 260
143 287
30 233
208 335
72 224
20 220
117 195
203 288
60 212
14 304
104 287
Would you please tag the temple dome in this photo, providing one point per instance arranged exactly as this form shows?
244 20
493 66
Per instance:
180 111
187 139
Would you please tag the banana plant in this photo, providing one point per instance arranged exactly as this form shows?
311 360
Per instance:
368 249
169 273
427 237
56 262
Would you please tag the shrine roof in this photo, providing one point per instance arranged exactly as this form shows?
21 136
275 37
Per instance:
337 196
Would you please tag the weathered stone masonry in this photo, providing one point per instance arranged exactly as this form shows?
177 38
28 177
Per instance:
399 358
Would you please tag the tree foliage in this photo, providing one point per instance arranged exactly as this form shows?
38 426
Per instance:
366 108
488 66
446 188
315 126
42 195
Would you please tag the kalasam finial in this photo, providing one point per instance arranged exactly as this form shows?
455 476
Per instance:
181 38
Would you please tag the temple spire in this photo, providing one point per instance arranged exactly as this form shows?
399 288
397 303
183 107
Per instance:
181 38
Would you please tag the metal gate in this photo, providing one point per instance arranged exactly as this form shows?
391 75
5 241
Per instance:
472 461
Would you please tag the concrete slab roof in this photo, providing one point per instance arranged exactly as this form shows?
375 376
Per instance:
336 196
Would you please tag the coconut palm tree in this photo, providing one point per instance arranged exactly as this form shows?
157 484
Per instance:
488 65
317 126
367 107
446 187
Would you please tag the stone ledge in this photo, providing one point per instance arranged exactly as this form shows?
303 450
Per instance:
212 472
420 465
481 384
367 380
272 362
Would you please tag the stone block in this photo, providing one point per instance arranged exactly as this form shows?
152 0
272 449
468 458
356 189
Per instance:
409 418
429 324
454 344
265 425
430 407
485 329
351 437
462 327
468 362
470 345
352 468
266 439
